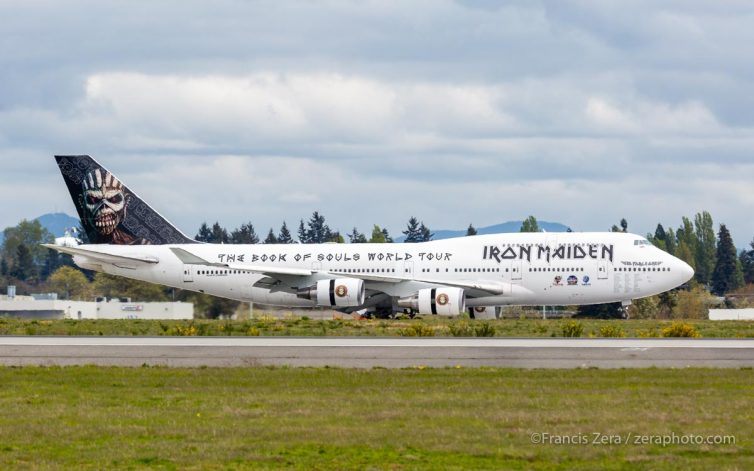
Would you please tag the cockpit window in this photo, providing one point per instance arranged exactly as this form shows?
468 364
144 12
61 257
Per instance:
642 242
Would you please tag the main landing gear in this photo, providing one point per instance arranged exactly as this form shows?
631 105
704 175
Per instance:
623 309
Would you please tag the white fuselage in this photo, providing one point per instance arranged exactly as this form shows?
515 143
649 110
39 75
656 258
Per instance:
533 268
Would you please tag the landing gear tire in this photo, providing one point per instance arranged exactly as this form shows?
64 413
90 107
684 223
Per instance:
623 311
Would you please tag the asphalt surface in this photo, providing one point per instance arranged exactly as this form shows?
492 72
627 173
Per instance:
371 352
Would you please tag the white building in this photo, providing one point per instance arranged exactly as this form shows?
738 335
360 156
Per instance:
731 314
48 307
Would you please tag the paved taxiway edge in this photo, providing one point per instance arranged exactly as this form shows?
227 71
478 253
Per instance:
361 352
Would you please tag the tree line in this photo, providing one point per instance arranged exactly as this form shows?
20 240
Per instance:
314 231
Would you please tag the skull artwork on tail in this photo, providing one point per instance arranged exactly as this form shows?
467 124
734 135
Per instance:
104 202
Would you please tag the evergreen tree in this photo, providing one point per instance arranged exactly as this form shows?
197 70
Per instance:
412 231
302 237
670 241
244 235
219 234
687 242
747 264
204 234
318 231
357 237
471 231
684 253
740 281
23 268
3 267
387 237
425 234
659 238
378 236
530 225
271 239
725 276
686 234
660 233
706 248
31 234
285 235
53 261
623 226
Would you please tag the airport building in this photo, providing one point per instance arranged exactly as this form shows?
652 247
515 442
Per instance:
48 306
731 314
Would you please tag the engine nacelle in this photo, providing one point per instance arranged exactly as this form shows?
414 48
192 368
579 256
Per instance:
485 312
342 292
445 301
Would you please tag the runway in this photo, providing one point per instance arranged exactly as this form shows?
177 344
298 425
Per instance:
367 352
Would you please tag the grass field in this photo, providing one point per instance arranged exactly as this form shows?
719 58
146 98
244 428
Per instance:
266 325
101 418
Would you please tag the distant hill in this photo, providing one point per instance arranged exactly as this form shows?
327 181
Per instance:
56 223
510 226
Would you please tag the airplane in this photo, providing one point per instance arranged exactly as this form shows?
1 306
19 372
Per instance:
472 274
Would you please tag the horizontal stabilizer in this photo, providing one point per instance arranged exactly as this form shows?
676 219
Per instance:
103 257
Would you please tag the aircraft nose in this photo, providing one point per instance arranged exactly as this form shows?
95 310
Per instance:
686 272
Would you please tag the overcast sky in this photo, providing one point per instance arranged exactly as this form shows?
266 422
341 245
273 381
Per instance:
374 111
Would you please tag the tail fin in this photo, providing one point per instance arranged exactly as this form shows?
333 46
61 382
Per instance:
111 213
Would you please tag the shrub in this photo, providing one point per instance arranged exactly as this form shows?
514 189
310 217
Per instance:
646 333
460 329
572 329
540 328
485 329
693 304
183 331
611 330
644 308
680 329
417 330
253 332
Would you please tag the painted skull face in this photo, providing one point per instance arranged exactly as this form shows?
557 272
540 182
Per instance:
104 201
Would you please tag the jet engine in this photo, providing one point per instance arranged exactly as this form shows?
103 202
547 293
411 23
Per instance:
343 292
485 312
445 301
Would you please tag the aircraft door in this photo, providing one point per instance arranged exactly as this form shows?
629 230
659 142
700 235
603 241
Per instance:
408 269
188 273
516 270
602 270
